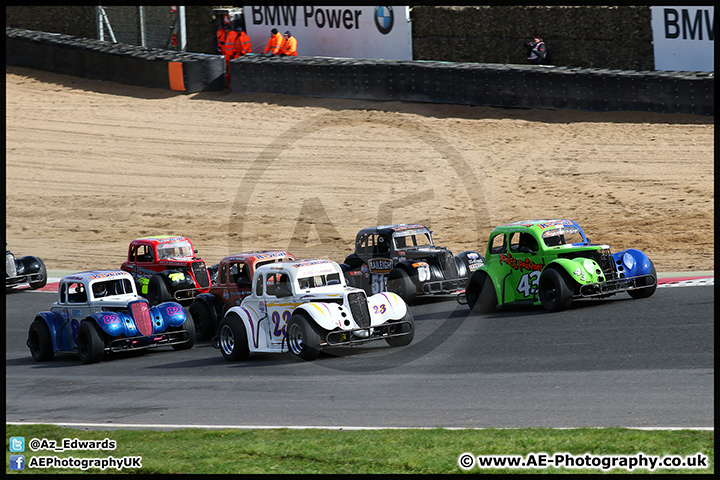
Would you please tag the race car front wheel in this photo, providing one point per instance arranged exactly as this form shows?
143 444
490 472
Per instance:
233 340
400 283
204 324
158 291
646 291
189 326
303 340
39 341
406 329
554 290
480 293
90 344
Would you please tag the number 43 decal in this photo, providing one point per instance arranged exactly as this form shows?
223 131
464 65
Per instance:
528 285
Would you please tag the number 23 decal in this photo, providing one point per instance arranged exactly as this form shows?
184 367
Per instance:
279 329
380 308
528 285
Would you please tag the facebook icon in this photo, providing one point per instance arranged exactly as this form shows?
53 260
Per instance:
17 462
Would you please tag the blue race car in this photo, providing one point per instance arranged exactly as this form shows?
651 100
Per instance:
99 312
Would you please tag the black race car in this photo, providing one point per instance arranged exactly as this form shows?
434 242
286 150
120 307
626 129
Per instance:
24 270
403 259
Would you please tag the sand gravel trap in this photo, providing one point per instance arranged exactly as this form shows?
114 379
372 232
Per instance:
91 165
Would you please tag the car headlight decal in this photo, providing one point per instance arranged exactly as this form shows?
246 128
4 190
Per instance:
629 261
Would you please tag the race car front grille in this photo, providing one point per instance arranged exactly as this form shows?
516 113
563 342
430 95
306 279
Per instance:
448 266
359 309
603 258
201 275
141 315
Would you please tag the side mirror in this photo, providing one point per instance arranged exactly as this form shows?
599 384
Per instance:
283 290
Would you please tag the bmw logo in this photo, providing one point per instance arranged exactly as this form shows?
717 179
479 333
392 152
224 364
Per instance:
384 19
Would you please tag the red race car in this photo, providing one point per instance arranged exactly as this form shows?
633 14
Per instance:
165 268
232 279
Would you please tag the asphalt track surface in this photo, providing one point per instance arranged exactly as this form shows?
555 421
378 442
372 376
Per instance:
614 362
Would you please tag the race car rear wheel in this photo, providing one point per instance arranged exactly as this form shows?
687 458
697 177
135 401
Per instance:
480 293
408 330
646 291
158 290
399 282
232 338
39 341
303 339
202 317
554 290
188 325
90 344
42 279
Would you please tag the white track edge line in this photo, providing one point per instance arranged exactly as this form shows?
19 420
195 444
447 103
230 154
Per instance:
319 427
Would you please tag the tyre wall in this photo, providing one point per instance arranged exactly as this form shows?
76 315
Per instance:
526 86
117 62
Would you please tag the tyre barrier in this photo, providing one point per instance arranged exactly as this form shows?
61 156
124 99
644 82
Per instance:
497 85
117 62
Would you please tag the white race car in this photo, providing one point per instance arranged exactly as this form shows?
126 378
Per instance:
304 306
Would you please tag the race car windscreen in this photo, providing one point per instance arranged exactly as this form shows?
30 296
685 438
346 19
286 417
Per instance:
109 288
317 281
412 238
562 236
175 250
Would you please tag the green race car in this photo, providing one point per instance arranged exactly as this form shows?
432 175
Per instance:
552 262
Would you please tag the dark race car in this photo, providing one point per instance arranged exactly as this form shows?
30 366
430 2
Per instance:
403 259
24 270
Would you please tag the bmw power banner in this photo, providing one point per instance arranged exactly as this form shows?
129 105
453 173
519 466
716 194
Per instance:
684 38
381 32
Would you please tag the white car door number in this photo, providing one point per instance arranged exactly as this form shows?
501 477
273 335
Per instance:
528 285
378 283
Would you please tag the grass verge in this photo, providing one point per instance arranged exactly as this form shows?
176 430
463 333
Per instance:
432 451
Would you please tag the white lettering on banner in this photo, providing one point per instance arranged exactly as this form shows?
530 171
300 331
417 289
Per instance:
335 31
684 38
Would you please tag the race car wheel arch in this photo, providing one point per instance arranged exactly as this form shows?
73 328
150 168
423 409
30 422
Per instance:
159 290
646 291
204 317
353 261
39 341
53 321
302 337
37 267
555 289
233 339
400 283
462 260
480 293
90 343
409 331
188 325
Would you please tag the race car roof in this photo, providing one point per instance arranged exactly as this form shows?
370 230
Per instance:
257 255
304 268
94 275
156 239
397 227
